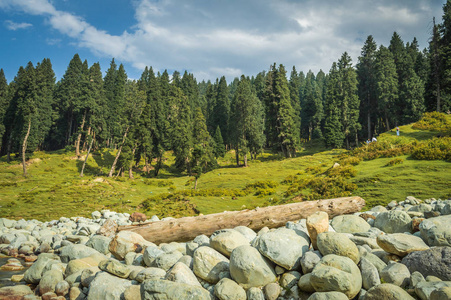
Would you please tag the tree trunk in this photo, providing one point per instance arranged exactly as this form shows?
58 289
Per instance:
195 183
24 148
86 158
69 127
118 153
83 149
130 171
369 116
158 164
387 126
237 156
8 148
187 228
245 160
146 163
77 144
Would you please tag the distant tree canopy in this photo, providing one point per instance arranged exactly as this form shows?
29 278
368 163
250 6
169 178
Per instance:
388 86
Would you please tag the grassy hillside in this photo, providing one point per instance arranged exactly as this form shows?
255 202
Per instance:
54 188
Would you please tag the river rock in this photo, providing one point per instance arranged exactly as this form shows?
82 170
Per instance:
127 241
249 268
401 244
62 288
394 221
227 289
225 240
443 293
317 223
305 283
387 291
165 261
255 293
114 267
349 224
49 280
248 233
79 264
34 273
75 251
397 274
328 296
108 228
309 260
370 275
424 289
337 273
209 264
435 261
272 291
289 279
100 243
16 292
150 273
132 292
12 264
338 244
182 273
436 231
164 289
108 287
150 254
283 247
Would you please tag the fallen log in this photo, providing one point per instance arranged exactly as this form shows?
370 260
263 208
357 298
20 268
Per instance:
187 228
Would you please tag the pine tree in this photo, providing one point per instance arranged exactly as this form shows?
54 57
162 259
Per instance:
3 103
413 91
333 128
444 104
219 149
295 86
202 157
180 131
387 86
366 70
221 109
312 112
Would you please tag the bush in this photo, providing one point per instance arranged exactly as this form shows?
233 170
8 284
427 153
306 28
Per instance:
313 170
346 171
351 160
383 149
437 148
395 161
433 121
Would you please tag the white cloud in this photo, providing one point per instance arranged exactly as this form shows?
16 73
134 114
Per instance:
215 38
15 26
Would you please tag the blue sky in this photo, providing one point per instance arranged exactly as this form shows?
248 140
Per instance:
209 38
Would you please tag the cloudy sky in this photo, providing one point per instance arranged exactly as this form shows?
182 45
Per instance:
208 38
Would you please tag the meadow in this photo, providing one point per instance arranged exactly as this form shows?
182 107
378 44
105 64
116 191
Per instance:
379 173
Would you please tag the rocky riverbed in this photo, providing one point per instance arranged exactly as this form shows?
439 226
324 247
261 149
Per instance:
402 251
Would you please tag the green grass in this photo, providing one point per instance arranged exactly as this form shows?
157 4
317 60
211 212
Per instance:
54 188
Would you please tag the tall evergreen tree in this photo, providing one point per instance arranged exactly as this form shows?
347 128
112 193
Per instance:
3 103
312 111
219 149
202 157
445 58
333 128
221 109
366 69
295 86
387 86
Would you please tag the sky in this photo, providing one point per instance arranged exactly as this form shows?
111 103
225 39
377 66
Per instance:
209 38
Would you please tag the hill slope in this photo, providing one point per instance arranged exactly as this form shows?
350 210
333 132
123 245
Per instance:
54 188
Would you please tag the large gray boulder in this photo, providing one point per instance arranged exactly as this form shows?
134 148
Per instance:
397 274
165 260
107 287
401 244
328 296
99 243
283 247
180 272
370 275
387 291
155 289
435 261
337 273
249 268
393 221
49 280
150 254
227 289
309 260
225 240
338 244
209 264
116 268
34 273
76 251
436 231
349 224
424 289
127 241
150 273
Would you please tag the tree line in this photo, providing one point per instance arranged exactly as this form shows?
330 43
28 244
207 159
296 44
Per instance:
389 86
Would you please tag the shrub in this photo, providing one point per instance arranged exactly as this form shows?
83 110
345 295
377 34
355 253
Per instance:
346 171
437 148
351 160
313 170
395 161
433 121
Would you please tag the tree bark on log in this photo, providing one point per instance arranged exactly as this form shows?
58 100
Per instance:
187 228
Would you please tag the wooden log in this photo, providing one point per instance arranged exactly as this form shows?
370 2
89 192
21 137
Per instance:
187 228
